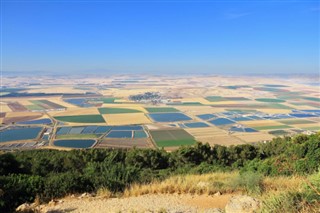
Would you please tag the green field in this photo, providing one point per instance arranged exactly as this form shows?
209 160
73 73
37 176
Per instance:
311 98
312 128
214 98
296 121
81 118
77 136
279 106
279 132
173 143
161 109
108 100
117 110
171 138
272 127
34 107
270 100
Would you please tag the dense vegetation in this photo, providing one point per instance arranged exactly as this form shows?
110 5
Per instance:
49 174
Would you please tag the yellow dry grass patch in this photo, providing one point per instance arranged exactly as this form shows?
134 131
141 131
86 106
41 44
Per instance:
75 111
254 137
1 120
126 118
184 184
261 123
225 183
20 114
4 108
126 106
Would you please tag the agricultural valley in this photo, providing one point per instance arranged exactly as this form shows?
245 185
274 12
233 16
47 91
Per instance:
127 111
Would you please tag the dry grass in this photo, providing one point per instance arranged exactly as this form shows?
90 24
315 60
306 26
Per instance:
184 184
104 193
209 184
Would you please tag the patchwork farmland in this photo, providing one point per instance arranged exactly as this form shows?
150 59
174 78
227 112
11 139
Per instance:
166 113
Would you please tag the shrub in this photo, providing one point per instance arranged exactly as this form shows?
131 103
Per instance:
249 181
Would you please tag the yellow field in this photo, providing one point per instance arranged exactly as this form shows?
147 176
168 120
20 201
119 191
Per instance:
254 136
225 140
213 135
306 125
126 106
205 131
20 114
126 119
4 108
25 102
197 110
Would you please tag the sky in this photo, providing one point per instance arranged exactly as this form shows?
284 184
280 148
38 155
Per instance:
217 37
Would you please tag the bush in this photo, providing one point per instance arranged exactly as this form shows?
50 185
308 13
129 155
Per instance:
249 181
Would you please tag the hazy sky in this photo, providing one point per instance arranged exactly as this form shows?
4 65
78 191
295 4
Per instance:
161 36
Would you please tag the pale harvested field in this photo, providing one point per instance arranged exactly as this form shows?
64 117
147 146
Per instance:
197 110
123 93
123 101
205 132
200 100
4 108
126 119
75 111
60 89
20 114
305 125
225 140
25 102
213 135
155 126
254 136
317 119
275 111
126 106
217 103
260 123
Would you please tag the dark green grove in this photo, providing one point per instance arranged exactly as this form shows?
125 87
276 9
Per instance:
51 174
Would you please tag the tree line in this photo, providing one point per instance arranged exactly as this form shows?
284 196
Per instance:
50 173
